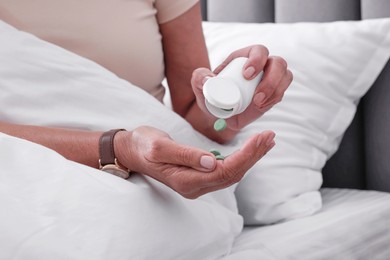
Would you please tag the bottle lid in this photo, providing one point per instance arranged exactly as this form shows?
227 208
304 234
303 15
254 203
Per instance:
222 96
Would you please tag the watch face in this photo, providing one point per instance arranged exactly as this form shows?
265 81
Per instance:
115 170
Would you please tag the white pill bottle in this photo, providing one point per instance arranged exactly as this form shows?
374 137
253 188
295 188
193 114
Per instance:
229 93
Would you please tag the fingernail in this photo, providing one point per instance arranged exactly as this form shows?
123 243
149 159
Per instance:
270 139
207 162
259 99
259 141
248 73
270 146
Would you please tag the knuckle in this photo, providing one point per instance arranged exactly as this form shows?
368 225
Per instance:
184 189
231 176
252 158
262 48
195 75
279 61
278 97
197 71
155 148
198 76
185 155
265 50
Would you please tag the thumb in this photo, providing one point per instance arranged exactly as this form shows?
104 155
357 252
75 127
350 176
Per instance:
188 156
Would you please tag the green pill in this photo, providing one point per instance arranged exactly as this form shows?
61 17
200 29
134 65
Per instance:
215 152
220 124
220 157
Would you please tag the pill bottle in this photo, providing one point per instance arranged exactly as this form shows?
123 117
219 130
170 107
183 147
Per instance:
229 93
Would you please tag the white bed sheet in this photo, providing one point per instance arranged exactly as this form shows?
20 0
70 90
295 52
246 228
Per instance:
353 224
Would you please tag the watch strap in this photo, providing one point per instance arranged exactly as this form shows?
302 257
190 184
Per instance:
106 147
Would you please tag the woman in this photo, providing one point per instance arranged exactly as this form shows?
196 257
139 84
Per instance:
144 41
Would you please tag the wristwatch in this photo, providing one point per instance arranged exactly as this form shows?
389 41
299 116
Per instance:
108 161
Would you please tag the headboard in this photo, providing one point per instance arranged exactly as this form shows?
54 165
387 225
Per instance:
363 159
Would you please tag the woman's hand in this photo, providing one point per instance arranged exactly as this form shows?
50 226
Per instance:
276 79
189 171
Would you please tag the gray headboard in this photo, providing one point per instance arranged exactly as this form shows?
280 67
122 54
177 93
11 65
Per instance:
363 160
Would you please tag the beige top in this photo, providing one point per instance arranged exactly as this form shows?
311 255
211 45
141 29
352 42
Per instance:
122 36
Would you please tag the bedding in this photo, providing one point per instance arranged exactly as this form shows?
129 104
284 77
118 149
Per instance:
56 209
334 64
352 224
65 210
53 208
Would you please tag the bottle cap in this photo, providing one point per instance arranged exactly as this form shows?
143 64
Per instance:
222 96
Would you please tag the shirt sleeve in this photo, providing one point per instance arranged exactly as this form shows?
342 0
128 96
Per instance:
170 9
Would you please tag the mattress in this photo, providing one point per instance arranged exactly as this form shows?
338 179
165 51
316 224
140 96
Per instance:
353 224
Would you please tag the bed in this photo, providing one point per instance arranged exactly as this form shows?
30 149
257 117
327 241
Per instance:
322 193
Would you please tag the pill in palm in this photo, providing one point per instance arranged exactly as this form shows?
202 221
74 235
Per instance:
220 124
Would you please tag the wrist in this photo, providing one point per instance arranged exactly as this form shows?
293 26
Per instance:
108 155
122 148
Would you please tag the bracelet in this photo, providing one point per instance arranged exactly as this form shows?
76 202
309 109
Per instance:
108 161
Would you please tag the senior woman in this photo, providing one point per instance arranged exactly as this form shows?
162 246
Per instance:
145 41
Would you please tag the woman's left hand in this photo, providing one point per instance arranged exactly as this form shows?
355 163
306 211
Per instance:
275 81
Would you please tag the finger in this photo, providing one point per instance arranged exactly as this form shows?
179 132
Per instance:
237 164
222 185
183 155
199 77
280 90
234 167
257 57
274 72
192 184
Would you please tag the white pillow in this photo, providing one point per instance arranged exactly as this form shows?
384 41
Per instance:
334 64
57 209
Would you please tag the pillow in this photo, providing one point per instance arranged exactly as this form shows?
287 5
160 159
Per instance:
62 210
53 208
334 64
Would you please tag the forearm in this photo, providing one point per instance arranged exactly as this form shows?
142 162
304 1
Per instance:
76 145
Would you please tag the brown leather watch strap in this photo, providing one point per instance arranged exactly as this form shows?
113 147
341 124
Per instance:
106 147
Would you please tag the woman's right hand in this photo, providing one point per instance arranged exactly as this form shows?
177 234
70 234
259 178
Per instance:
189 171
